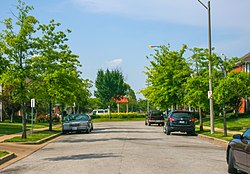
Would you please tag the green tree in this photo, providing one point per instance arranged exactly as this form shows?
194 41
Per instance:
166 75
232 89
197 85
110 86
17 47
55 70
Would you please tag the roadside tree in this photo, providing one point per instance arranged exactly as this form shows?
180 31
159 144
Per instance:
166 75
16 48
110 86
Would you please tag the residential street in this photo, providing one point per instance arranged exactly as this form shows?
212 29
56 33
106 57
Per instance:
124 148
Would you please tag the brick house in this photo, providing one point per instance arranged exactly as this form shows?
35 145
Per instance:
245 67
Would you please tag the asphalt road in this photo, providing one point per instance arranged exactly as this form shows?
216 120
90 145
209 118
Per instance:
124 148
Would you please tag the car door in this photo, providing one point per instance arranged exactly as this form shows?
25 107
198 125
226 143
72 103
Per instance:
239 153
246 137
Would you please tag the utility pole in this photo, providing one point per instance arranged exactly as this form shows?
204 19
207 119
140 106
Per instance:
210 66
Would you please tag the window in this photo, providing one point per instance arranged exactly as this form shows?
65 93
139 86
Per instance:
247 134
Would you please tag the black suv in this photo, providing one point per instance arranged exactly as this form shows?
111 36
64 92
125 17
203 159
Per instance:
179 121
154 117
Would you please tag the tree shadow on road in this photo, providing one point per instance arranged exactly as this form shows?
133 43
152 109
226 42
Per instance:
82 157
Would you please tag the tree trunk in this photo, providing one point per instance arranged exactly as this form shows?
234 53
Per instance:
201 121
24 134
224 119
50 115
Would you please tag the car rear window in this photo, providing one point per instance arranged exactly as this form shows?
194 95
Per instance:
182 114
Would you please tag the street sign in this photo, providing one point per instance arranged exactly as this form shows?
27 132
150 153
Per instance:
209 94
32 104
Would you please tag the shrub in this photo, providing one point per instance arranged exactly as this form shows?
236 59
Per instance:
44 118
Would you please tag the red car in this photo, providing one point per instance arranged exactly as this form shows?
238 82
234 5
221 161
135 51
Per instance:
238 153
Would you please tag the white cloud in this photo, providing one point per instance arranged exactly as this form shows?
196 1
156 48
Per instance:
114 63
225 13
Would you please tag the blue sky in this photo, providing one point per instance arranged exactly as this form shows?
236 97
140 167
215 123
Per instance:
116 33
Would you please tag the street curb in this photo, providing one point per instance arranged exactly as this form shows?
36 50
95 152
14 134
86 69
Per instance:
216 141
7 157
42 140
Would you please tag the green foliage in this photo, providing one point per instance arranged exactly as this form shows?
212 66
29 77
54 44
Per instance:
166 75
119 117
232 89
43 118
110 85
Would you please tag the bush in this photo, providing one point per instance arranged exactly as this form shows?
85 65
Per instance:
122 116
44 118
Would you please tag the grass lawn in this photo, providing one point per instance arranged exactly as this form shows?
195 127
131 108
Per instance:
219 135
233 123
11 128
3 153
36 136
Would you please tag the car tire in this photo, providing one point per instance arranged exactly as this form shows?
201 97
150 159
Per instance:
231 168
88 131
64 132
164 130
146 123
168 131
149 124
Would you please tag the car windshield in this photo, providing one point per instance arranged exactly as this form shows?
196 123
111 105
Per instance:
182 114
155 113
76 118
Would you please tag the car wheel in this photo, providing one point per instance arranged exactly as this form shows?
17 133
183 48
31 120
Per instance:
168 131
149 124
231 168
164 130
88 131
146 123
64 132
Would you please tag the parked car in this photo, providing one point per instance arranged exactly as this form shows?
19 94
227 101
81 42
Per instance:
179 121
99 112
77 123
238 153
154 117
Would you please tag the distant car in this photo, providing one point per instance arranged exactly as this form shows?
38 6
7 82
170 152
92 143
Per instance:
99 112
154 117
179 121
238 153
77 123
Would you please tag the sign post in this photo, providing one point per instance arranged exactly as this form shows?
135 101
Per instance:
32 104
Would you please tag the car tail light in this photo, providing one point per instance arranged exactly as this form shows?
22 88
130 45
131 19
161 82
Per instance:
150 118
191 120
171 119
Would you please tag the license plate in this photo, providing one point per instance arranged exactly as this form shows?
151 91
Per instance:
158 121
182 122
74 128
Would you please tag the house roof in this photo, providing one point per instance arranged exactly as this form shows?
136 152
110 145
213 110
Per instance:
122 100
246 57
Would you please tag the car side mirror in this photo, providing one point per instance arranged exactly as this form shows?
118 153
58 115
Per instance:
237 136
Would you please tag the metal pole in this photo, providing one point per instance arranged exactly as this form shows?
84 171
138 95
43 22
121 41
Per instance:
210 66
210 70
32 117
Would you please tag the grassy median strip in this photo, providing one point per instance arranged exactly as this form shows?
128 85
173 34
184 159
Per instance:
239 123
3 153
36 136
218 135
12 128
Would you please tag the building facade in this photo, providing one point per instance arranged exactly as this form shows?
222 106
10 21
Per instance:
245 67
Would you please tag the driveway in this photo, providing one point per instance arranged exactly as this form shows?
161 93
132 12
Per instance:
124 148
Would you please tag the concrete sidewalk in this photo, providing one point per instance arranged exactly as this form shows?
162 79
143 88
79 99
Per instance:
19 151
